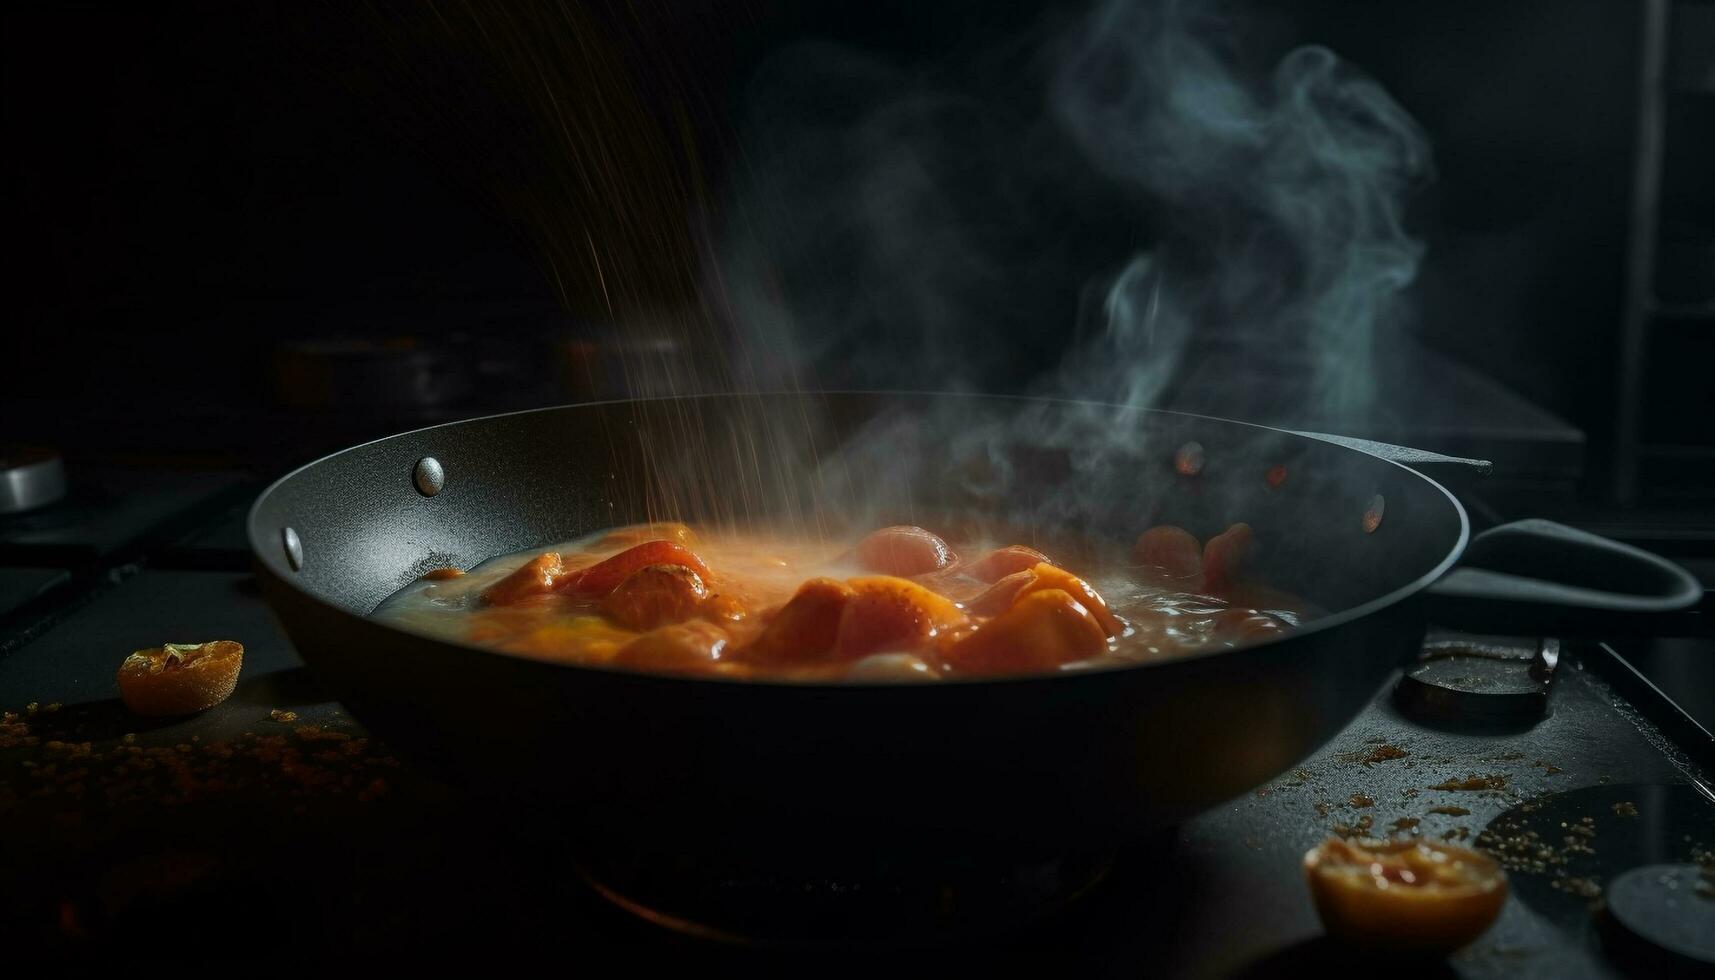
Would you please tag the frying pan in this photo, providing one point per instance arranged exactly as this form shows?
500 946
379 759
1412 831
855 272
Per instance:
830 776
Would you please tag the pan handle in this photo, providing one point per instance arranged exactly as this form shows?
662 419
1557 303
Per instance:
1536 577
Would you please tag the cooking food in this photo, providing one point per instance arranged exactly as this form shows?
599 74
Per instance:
180 678
901 603
1407 895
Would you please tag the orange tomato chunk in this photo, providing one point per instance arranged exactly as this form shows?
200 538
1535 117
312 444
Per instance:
1169 553
894 615
803 630
1226 557
1405 895
1010 560
999 597
680 647
655 595
1005 594
602 577
533 578
180 678
1041 631
903 551
1054 577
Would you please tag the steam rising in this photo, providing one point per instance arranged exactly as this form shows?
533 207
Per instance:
907 240
1149 225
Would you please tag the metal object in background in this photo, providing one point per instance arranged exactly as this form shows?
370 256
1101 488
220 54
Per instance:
30 478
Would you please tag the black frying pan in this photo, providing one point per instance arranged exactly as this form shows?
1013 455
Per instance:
821 776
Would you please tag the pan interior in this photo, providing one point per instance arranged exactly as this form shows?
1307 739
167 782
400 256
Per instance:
1336 526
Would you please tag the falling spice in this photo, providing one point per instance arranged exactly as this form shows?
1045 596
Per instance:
1625 808
1451 811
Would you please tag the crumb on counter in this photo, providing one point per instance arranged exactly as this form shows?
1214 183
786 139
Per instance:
80 776
1357 828
1473 783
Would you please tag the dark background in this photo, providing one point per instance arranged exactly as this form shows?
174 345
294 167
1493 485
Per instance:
193 186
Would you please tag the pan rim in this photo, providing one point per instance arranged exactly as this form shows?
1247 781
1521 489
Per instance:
262 554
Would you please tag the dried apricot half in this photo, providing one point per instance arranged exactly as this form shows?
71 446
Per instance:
1408 895
180 678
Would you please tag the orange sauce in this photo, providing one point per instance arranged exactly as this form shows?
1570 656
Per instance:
896 605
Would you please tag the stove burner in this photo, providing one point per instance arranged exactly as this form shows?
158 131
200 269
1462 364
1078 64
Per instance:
1479 680
1657 918
1566 852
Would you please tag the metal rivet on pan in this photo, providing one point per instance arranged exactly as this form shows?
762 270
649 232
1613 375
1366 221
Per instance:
294 548
1373 513
428 476
1189 459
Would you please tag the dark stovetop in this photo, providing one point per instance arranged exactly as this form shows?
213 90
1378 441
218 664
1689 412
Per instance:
240 832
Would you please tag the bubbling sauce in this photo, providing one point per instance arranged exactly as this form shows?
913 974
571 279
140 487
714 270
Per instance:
900 604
